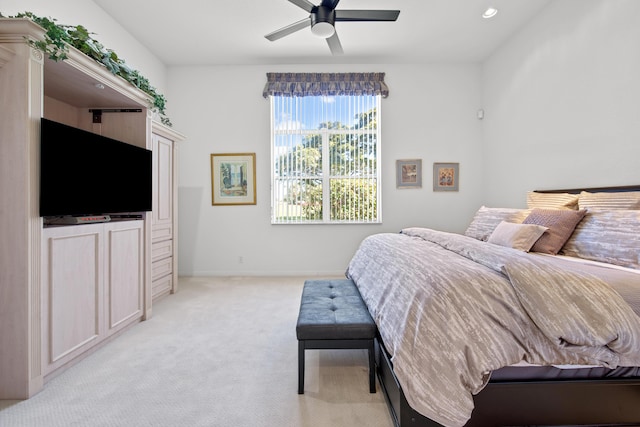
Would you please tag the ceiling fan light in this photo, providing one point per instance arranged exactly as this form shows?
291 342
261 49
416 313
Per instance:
323 29
489 13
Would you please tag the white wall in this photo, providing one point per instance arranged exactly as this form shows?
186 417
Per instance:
562 102
430 114
107 31
561 110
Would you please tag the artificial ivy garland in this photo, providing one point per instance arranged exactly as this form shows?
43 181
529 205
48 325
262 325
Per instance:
58 38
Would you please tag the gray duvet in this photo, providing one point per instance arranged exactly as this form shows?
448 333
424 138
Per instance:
451 309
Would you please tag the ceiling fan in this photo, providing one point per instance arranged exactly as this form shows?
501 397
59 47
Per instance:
322 19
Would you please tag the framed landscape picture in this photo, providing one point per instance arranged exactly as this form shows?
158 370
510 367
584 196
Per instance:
409 173
446 176
233 179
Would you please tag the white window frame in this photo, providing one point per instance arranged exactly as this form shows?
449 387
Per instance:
326 169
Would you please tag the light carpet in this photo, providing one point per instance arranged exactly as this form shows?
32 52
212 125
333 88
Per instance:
219 352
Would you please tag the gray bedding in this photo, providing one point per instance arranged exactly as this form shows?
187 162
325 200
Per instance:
451 309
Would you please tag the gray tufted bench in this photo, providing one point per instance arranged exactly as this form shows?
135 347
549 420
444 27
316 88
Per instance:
334 316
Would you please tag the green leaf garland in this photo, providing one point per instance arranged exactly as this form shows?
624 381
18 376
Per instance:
58 38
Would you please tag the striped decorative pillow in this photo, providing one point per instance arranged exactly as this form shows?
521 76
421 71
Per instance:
487 219
607 236
622 200
552 200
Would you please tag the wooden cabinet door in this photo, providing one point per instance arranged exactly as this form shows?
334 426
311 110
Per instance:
162 187
124 266
73 265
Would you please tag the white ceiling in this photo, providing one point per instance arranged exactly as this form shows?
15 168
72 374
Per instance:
207 32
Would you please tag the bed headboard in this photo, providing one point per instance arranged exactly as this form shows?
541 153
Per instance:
618 189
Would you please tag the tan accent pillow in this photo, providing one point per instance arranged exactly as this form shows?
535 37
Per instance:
516 236
487 219
621 200
560 224
552 200
611 236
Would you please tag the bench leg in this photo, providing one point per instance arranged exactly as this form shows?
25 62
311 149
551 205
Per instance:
372 368
301 367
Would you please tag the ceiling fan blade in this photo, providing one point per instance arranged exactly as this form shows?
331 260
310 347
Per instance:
331 4
289 29
367 15
334 44
304 4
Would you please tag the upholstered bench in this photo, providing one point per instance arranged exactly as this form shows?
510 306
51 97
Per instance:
334 316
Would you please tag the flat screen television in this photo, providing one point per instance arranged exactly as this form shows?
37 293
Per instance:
82 173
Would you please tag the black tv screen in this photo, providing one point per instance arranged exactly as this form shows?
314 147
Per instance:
82 173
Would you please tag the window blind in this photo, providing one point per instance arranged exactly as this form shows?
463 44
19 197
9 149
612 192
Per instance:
325 159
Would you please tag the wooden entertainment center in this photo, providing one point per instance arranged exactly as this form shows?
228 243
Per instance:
64 290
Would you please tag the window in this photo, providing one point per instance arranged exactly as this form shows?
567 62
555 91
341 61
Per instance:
325 159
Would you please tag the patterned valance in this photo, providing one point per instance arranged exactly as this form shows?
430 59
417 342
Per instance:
325 84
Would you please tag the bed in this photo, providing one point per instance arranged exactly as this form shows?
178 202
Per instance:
531 317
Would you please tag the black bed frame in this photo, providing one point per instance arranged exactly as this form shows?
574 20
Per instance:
593 402
516 403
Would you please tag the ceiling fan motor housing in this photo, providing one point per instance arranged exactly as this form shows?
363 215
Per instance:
322 21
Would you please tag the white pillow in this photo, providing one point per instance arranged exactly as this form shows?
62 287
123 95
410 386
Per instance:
516 236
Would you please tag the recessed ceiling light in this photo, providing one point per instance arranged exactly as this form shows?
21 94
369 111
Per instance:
490 12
